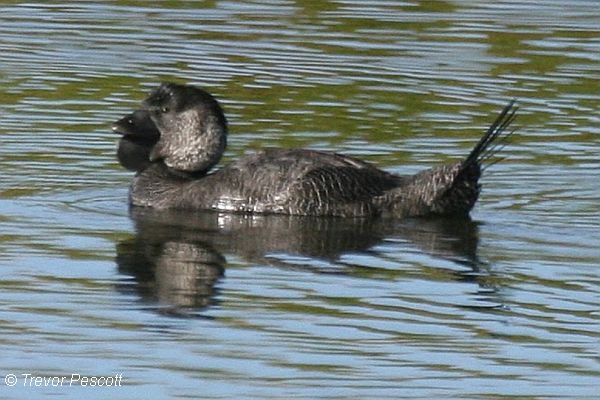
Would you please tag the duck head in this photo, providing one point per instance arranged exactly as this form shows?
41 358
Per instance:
192 126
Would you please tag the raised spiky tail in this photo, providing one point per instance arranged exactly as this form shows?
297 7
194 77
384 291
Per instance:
453 189
494 139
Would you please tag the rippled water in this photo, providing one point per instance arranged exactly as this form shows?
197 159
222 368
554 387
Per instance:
222 306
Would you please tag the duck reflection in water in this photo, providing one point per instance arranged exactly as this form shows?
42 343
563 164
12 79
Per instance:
176 257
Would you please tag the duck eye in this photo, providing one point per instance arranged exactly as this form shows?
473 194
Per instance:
164 109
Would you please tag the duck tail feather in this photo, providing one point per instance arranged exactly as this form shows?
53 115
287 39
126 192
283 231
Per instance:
495 138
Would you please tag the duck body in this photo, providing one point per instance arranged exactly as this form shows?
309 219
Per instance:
282 181
175 171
